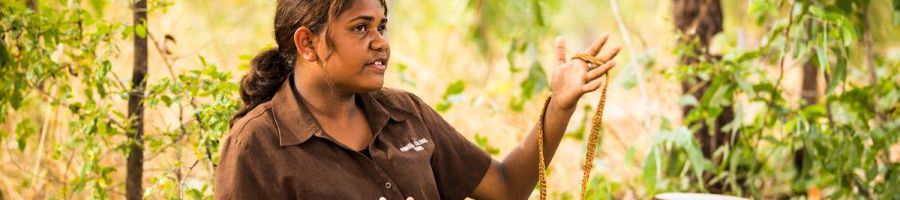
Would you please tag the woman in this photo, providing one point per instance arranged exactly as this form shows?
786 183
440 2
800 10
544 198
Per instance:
317 124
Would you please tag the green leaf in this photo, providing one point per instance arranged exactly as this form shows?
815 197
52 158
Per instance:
202 60
650 169
629 156
516 104
822 59
535 82
688 100
482 141
167 100
140 30
761 9
129 30
24 129
4 54
511 55
838 74
817 11
443 106
697 160
896 16
401 69
98 6
848 32
745 85
451 95
814 111
455 88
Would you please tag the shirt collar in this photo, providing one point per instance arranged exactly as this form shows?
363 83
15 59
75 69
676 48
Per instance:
296 124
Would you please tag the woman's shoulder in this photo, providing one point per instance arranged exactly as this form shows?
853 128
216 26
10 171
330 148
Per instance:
253 126
398 98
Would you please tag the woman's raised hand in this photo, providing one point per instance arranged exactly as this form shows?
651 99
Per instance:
571 78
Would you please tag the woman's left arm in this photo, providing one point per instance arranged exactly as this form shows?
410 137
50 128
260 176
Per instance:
516 175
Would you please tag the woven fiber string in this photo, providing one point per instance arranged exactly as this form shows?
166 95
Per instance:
597 120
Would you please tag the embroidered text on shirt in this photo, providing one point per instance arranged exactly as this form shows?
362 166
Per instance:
415 145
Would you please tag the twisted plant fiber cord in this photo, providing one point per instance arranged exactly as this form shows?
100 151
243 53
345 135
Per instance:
597 120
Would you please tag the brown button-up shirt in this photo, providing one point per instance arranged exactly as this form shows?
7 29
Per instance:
279 151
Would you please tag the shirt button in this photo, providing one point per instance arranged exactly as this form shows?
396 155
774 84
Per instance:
382 198
387 185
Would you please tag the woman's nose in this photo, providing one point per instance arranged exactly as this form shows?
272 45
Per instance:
379 42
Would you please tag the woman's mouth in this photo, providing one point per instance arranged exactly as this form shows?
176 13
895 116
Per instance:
380 66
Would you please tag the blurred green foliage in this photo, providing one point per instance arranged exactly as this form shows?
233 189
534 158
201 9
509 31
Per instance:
845 138
58 55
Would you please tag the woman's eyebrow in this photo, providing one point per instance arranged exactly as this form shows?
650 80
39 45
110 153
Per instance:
368 18
364 18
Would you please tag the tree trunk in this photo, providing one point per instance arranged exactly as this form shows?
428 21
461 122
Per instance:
810 95
32 4
700 20
810 83
135 168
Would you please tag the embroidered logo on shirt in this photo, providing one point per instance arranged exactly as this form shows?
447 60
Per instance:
415 145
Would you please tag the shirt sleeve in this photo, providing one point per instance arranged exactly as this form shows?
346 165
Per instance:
242 172
457 163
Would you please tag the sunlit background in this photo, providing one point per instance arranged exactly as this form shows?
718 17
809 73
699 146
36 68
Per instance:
483 64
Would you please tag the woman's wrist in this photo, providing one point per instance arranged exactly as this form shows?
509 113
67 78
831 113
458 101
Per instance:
556 107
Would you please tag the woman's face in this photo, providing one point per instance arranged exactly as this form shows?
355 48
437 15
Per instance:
360 50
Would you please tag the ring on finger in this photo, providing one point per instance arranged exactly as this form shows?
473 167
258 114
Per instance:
592 62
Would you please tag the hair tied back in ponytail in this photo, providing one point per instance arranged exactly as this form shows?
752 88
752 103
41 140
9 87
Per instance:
268 70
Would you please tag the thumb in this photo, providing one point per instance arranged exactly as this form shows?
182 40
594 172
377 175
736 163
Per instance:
560 50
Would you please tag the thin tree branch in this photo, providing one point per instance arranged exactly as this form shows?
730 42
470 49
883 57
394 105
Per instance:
639 70
192 103
787 38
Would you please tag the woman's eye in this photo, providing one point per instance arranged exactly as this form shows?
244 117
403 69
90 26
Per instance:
360 29
382 29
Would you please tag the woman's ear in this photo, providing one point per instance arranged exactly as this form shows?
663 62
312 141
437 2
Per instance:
303 40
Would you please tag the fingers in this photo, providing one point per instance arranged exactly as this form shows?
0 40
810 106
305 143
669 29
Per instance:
593 85
560 50
607 56
599 71
595 48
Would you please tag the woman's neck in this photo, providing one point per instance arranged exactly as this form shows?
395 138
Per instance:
323 99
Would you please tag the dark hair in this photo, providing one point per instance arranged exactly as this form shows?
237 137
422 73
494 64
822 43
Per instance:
270 68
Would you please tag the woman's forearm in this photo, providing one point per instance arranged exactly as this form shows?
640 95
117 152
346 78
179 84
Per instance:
520 167
515 176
